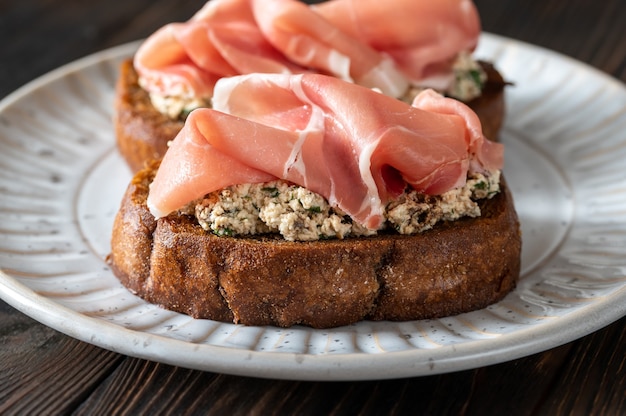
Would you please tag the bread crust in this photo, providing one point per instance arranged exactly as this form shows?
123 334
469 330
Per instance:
143 132
490 106
455 267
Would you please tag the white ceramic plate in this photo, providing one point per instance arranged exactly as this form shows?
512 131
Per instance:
61 181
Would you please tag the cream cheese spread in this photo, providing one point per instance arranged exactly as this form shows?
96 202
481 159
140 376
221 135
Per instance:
466 83
301 215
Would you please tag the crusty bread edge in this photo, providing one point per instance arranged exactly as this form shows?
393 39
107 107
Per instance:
142 132
456 267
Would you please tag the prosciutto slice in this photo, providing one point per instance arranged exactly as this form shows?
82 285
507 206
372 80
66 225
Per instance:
378 44
222 39
354 146
421 36
310 40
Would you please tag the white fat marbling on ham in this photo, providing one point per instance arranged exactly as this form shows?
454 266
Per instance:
354 146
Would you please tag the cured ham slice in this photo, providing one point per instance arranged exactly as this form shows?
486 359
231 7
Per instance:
484 153
221 39
308 39
193 167
421 36
378 44
356 147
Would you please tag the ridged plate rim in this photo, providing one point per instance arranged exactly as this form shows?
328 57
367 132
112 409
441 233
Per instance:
589 284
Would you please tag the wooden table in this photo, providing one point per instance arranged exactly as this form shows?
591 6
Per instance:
44 371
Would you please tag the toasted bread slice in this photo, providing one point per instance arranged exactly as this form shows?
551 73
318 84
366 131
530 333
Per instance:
456 267
142 132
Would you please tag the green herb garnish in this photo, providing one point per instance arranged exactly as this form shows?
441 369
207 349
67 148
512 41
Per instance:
273 191
475 74
224 232
482 185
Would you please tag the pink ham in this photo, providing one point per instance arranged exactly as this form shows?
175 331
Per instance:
421 36
306 38
375 43
482 152
222 39
356 147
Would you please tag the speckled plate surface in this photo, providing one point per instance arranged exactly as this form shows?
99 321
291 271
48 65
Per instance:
61 181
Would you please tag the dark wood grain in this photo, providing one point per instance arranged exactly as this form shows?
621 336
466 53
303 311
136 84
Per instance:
45 372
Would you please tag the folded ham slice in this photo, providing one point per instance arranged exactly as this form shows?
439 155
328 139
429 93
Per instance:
378 44
354 146
221 39
421 36
306 38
